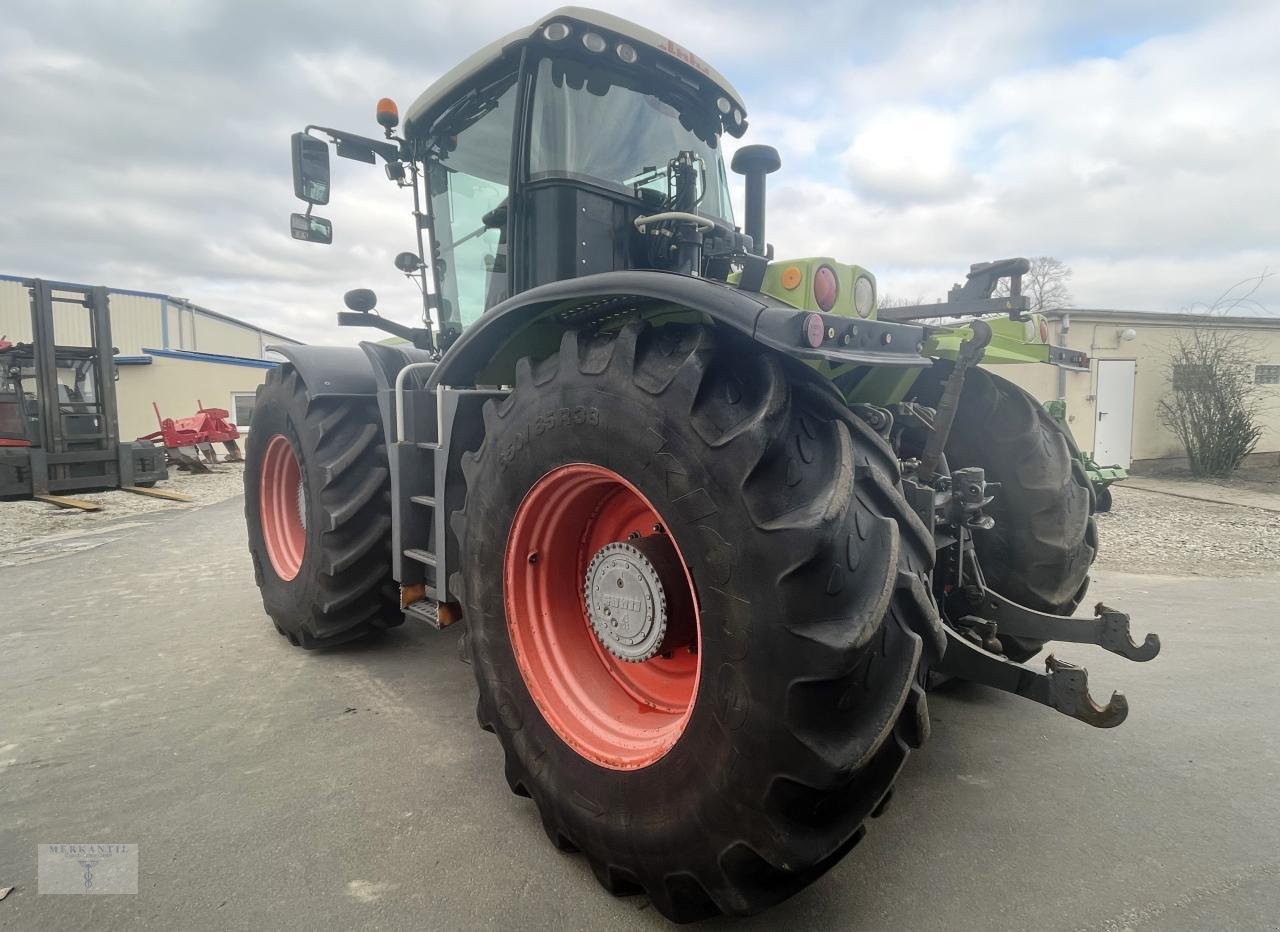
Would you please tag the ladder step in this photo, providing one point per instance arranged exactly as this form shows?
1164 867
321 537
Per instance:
428 500
424 610
429 446
422 556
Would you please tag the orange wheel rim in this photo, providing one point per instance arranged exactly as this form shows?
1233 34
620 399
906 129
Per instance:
282 506
618 714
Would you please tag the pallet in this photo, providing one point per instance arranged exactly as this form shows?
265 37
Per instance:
66 501
157 493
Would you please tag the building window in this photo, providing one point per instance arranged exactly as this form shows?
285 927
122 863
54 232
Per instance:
242 408
1267 375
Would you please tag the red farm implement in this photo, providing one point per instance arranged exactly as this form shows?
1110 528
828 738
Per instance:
189 441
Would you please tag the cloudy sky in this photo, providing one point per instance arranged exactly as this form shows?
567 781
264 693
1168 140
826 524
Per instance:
144 143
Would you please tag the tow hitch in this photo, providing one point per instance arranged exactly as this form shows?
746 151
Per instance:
976 616
1063 686
1109 629
973 647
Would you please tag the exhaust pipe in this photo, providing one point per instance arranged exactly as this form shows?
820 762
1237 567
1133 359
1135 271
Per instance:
753 163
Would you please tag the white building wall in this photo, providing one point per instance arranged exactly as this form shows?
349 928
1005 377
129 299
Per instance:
178 385
1151 349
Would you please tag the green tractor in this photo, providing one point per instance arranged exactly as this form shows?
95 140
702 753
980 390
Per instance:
707 521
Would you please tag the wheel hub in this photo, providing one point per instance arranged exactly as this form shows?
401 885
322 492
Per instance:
626 591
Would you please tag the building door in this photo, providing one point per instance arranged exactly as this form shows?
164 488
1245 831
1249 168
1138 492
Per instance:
1113 431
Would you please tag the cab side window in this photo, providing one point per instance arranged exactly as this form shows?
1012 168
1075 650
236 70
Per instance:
469 186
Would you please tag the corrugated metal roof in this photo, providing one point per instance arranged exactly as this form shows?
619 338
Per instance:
183 302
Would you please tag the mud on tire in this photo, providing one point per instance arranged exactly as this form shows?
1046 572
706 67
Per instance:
343 588
1045 538
812 576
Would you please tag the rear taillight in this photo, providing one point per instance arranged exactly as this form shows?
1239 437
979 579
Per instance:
826 287
814 329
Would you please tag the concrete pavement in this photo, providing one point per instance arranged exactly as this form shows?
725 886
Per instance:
1208 492
144 697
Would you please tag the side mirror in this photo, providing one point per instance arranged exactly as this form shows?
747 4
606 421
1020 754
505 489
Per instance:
360 300
310 169
311 229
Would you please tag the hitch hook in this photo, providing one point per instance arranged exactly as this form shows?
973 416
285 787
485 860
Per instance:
1063 686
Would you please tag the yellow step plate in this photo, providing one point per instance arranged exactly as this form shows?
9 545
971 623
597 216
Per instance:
66 501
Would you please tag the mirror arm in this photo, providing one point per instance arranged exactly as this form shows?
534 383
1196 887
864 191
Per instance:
415 335
390 152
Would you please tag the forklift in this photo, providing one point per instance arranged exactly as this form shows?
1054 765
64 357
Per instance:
58 427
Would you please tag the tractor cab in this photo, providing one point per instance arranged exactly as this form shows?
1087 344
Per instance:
582 144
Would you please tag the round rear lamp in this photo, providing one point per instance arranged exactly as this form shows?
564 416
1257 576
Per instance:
555 32
814 330
864 296
723 105
826 287
626 53
594 42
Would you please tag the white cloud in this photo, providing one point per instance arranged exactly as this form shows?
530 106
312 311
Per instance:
908 154
1151 174
147 146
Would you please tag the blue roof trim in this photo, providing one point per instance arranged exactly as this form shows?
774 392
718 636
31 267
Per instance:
138 294
211 357
133 360
110 291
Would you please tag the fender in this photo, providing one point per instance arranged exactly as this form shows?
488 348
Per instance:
487 351
368 370
330 371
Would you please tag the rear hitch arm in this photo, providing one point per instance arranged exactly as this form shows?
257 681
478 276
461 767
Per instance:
1109 629
1063 686
970 354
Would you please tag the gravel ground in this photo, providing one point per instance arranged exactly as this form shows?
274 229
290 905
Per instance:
22 521
1147 532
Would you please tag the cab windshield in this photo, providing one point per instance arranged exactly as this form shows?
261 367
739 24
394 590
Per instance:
597 125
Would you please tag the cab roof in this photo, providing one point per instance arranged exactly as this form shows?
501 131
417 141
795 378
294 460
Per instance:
434 99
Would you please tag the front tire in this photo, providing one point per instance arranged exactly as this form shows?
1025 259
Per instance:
317 506
792 714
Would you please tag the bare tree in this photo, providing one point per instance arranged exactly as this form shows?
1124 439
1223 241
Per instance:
1045 285
889 300
1213 404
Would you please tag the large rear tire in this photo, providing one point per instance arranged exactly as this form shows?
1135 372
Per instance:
1045 538
317 505
779 728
